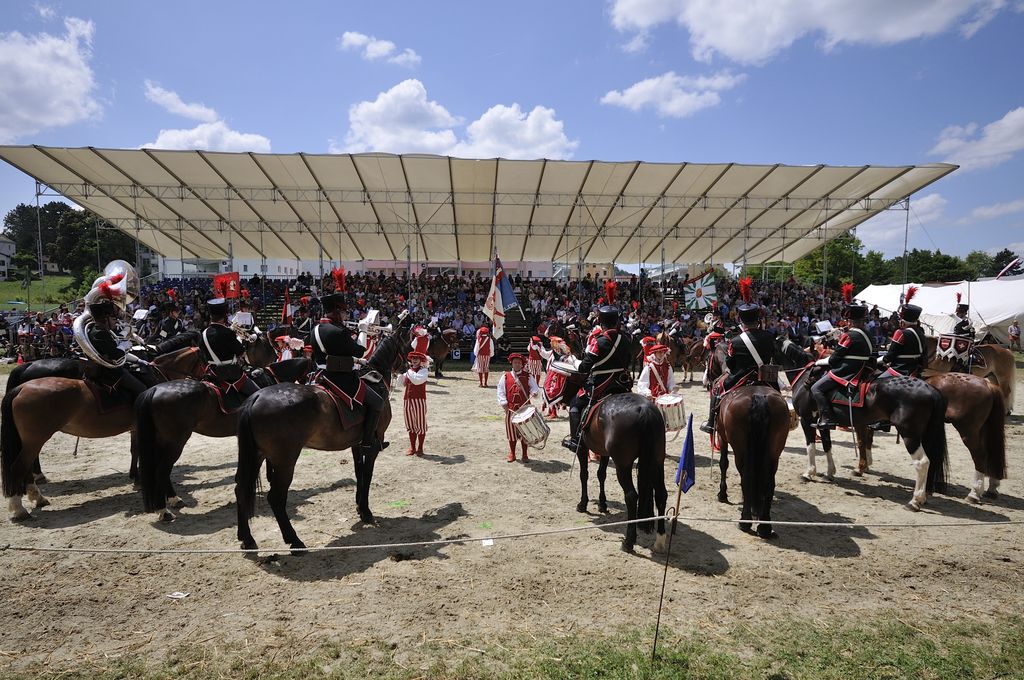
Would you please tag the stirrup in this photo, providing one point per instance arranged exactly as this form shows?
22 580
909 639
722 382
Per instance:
881 426
571 444
825 424
707 427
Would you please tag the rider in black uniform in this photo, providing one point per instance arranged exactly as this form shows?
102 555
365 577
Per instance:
741 360
223 351
606 363
302 325
334 352
964 326
100 332
906 353
172 325
849 358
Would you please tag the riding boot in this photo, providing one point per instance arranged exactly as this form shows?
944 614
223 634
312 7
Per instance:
709 425
822 392
372 443
572 441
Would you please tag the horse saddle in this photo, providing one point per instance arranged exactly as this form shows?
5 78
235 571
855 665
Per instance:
351 412
227 387
108 396
853 394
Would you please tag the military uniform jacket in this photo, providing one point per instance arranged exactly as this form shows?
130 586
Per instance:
105 343
739 359
606 362
964 327
302 327
851 354
170 327
906 352
219 345
331 340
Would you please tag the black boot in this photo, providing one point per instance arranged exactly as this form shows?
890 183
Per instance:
572 442
709 424
372 443
827 419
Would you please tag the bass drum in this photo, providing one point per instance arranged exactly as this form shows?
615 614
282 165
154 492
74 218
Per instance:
531 426
671 407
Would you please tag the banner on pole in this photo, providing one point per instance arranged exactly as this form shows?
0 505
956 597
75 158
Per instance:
699 292
501 299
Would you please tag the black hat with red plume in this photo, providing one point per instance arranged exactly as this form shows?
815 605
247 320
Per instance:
749 312
610 289
909 312
336 299
960 307
853 311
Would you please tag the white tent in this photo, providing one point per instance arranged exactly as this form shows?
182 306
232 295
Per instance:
203 204
993 304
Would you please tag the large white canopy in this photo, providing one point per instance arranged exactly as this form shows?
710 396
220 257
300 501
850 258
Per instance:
994 304
373 206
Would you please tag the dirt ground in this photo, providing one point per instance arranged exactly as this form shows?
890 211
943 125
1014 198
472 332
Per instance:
59 608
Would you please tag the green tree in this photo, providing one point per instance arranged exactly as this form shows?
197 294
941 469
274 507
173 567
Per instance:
874 269
978 264
837 261
24 261
1003 258
75 244
20 225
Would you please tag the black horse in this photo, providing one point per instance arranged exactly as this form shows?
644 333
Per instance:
628 428
916 409
166 416
312 422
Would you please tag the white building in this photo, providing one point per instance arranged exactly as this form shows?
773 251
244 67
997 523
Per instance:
7 249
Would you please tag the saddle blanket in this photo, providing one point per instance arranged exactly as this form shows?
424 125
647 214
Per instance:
349 407
108 397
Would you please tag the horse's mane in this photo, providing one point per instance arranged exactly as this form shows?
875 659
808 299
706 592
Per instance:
178 342
383 358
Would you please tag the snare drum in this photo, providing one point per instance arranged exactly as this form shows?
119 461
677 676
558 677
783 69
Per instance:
531 426
671 407
561 382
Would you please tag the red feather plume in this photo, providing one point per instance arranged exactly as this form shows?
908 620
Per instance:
610 288
847 293
958 298
745 289
339 279
911 292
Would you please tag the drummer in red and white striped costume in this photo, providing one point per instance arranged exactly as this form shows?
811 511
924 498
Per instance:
514 391
534 357
420 340
559 352
415 382
656 379
484 350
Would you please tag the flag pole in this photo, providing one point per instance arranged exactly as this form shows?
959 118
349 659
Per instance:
664 575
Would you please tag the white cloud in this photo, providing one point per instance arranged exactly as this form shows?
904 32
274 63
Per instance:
885 230
507 132
404 120
988 212
173 103
45 11
672 95
992 145
1017 248
753 32
215 136
638 43
46 80
374 49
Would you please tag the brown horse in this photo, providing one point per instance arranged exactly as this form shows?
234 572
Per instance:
692 355
628 428
166 416
716 363
36 410
312 420
755 420
999 368
975 408
440 347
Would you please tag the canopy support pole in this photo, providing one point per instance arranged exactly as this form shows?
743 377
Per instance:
39 232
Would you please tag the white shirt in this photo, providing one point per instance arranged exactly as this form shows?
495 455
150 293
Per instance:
643 385
417 377
503 399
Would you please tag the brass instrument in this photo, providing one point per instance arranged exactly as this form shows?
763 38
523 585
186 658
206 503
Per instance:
122 293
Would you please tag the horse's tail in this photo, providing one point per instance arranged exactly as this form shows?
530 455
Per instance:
151 456
758 463
650 474
248 461
993 435
10 446
934 442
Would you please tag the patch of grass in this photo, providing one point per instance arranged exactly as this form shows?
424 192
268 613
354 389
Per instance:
882 647
45 294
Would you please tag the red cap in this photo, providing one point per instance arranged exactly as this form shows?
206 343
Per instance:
516 355
657 348
536 338
417 355
483 330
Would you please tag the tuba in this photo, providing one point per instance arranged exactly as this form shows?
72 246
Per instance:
120 284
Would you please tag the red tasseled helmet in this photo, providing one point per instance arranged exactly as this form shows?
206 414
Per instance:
746 291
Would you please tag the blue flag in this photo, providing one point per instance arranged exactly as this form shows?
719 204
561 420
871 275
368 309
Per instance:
501 299
686 460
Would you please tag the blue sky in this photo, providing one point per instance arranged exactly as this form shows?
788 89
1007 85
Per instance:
800 82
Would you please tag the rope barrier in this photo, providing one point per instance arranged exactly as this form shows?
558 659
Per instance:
494 538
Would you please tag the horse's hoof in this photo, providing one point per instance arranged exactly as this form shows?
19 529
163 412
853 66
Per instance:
745 527
722 497
21 516
581 506
175 502
914 506
627 547
805 477
249 544
766 532
660 544
973 498
991 494
602 507
165 515
367 517
40 478
42 502
298 547
858 473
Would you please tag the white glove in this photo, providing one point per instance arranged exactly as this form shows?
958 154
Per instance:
821 362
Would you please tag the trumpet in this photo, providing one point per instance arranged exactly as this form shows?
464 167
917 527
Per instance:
370 329
244 334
